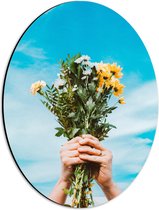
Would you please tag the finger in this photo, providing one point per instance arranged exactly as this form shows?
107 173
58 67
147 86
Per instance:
107 152
74 161
74 140
89 150
71 153
89 136
68 147
92 143
91 158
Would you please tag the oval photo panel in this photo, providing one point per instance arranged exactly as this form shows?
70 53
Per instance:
80 104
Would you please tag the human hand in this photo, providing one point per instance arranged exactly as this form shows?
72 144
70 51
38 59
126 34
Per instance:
69 157
91 150
81 150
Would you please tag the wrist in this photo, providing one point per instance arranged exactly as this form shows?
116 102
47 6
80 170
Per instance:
58 193
110 189
64 182
108 185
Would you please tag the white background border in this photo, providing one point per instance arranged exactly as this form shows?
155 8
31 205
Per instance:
15 192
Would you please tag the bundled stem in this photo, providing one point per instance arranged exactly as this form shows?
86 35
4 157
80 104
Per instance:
80 189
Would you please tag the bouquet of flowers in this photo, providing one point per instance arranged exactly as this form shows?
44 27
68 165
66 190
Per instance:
79 99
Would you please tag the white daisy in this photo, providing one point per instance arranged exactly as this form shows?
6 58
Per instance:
84 77
82 58
87 72
59 82
88 63
74 88
95 64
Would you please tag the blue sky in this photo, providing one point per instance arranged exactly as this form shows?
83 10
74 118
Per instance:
95 30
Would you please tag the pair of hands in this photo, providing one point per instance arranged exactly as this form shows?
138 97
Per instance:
84 149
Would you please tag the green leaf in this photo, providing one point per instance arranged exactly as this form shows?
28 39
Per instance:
90 104
82 94
48 106
60 131
92 87
79 71
59 128
58 134
73 132
85 179
112 126
66 191
67 205
72 114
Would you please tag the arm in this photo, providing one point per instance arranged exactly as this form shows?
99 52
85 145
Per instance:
91 150
58 195
111 191
69 157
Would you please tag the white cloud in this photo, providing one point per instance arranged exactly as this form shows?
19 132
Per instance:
42 171
129 152
129 156
30 126
34 52
140 112
31 132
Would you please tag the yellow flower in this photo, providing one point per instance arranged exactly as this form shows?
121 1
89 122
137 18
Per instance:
118 88
103 70
103 74
116 70
108 75
101 67
37 86
122 100
112 82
